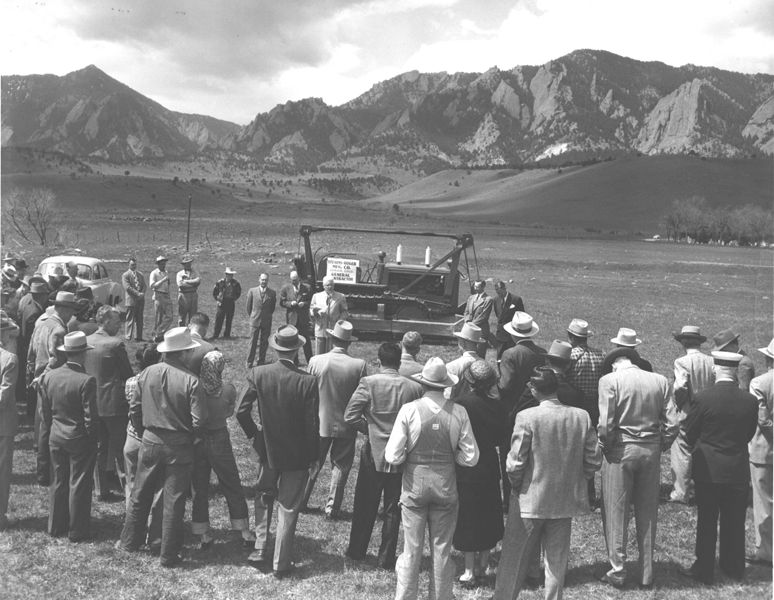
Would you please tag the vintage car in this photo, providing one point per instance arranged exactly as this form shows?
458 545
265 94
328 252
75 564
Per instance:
92 273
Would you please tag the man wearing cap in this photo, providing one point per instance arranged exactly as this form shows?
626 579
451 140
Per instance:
728 341
625 343
551 485
68 403
410 345
693 373
505 304
468 341
477 310
261 302
9 367
634 428
162 304
295 298
372 410
559 359
431 435
169 404
109 364
286 440
226 292
326 308
71 283
188 281
338 375
133 282
762 387
721 423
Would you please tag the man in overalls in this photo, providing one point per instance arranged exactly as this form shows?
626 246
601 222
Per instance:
430 435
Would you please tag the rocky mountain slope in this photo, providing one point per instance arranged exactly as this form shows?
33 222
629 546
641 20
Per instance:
586 104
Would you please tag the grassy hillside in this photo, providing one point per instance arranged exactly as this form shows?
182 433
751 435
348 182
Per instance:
629 194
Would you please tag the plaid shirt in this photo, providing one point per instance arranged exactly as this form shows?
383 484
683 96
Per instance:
585 371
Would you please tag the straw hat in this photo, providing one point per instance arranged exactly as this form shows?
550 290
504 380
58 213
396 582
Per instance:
287 339
522 325
768 350
726 359
75 342
66 299
690 332
341 331
560 350
579 328
229 271
626 337
435 375
176 340
470 332
161 258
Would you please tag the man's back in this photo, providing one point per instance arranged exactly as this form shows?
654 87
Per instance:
170 398
762 387
693 373
516 368
338 375
68 403
109 364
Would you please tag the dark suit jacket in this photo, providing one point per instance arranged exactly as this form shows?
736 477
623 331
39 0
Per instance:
287 400
261 311
504 309
721 422
68 403
109 364
516 366
297 316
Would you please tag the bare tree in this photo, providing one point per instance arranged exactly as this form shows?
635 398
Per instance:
30 213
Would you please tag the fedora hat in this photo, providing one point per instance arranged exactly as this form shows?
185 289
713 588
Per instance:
435 375
187 259
470 332
522 325
161 258
10 271
21 264
176 340
342 330
38 287
287 339
7 323
560 350
626 337
768 350
229 271
579 328
66 299
724 338
726 359
690 332
75 342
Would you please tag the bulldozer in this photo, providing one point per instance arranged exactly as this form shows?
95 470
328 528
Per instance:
385 297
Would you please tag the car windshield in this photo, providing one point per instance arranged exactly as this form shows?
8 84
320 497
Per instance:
48 269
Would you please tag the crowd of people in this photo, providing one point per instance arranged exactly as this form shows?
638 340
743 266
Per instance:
448 448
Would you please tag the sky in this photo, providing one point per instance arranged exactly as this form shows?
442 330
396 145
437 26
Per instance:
233 59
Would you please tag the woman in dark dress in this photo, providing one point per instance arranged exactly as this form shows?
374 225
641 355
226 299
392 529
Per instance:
480 518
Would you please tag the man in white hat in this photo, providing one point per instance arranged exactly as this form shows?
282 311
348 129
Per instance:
168 405
625 344
295 297
762 387
338 375
468 341
431 435
478 308
634 428
133 282
326 308
286 441
721 423
188 281
9 367
68 404
226 292
693 373
162 303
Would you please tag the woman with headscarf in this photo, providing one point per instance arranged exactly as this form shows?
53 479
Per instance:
480 519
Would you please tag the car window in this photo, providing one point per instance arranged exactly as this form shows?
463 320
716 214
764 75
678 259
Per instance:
47 268
103 270
84 272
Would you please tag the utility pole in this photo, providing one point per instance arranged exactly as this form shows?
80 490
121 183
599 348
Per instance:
188 231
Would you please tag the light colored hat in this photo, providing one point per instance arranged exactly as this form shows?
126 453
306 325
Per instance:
75 342
287 339
412 339
229 271
66 299
579 328
161 258
6 322
626 337
769 350
435 375
724 338
560 350
690 332
187 258
726 359
341 331
176 340
470 332
522 325
37 287
10 271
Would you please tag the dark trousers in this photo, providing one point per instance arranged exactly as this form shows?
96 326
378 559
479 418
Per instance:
260 331
165 461
371 486
726 503
133 322
502 452
69 502
502 346
342 452
111 437
225 312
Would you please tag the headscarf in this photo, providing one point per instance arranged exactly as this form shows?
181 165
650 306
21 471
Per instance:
211 374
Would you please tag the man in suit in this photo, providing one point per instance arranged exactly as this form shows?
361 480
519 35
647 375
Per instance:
410 345
625 345
295 298
285 439
477 310
505 304
31 306
762 387
109 364
261 302
553 452
188 281
9 366
634 428
721 423
162 303
134 300
728 341
226 292
326 308
68 402
372 410
693 373
338 375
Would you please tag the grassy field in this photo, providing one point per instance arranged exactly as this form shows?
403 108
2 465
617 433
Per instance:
654 288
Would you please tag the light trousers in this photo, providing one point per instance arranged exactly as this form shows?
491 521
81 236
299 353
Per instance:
761 477
681 460
163 314
342 451
111 437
